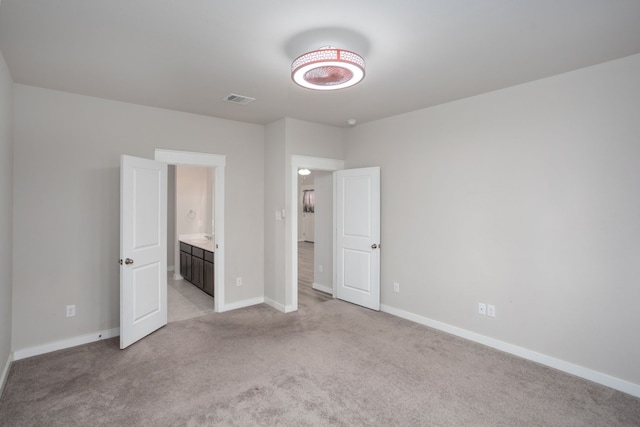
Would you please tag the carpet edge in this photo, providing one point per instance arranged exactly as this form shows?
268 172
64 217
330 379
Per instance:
66 343
562 365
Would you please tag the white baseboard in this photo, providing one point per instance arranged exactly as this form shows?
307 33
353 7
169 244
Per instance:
573 369
323 288
176 276
289 309
278 306
5 373
242 304
67 343
274 304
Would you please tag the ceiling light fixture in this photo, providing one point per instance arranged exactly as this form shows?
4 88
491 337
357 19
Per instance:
328 68
304 172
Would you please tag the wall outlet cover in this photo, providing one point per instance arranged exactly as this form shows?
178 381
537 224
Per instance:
482 308
491 310
70 310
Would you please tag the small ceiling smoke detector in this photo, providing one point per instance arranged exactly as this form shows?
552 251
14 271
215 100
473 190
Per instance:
328 68
238 99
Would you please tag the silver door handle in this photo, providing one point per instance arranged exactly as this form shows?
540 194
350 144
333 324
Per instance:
374 246
128 261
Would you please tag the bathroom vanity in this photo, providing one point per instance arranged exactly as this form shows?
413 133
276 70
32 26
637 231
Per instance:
196 263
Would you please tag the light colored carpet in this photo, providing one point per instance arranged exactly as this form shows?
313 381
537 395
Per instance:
331 363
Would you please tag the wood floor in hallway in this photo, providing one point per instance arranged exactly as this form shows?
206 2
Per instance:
306 294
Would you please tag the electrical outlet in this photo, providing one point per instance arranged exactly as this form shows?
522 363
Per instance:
396 287
482 308
71 310
491 310
238 281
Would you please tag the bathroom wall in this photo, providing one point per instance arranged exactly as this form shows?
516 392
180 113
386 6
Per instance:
194 200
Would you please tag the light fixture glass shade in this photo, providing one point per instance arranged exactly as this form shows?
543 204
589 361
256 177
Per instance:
304 172
328 68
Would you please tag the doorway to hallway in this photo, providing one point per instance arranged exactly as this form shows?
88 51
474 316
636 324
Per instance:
307 296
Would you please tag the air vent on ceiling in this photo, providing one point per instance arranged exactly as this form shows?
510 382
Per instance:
239 99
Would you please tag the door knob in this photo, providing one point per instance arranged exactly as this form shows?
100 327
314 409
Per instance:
128 261
374 246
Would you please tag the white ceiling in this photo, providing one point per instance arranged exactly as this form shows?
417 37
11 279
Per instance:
188 55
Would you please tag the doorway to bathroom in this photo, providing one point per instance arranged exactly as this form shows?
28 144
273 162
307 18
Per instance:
208 208
191 206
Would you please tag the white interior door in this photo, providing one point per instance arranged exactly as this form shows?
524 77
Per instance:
143 248
358 236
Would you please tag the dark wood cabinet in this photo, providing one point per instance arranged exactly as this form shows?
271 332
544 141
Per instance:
197 271
196 266
208 277
185 264
208 272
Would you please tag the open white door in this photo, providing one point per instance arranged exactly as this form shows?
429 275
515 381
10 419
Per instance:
143 248
358 236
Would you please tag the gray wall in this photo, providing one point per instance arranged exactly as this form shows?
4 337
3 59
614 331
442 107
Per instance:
306 139
312 139
6 213
66 184
323 247
171 216
285 138
526 198
274 179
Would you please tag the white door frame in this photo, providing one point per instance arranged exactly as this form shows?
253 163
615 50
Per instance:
218 162
297 162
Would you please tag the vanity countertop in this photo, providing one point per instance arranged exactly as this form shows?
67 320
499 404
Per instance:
205 244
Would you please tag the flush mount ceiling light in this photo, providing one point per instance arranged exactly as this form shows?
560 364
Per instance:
304 172
328 68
